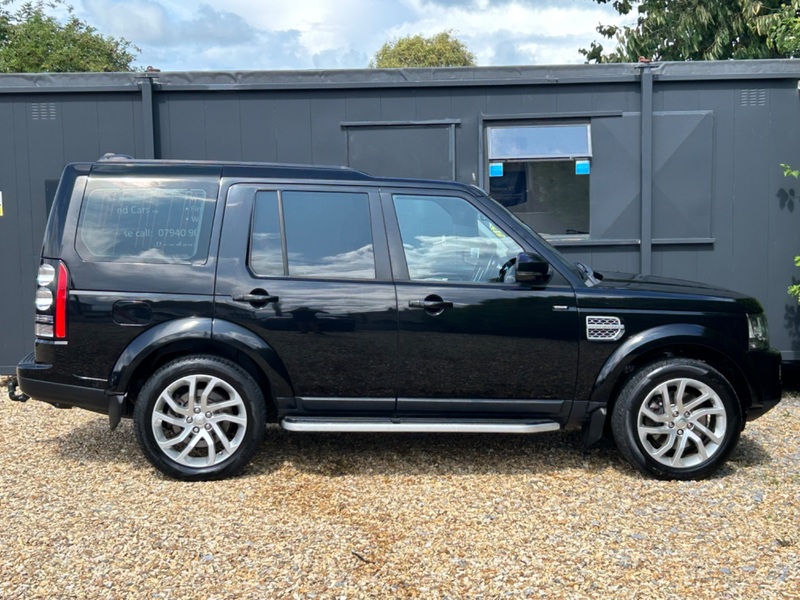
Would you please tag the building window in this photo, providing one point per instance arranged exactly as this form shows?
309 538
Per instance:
541 173
540 141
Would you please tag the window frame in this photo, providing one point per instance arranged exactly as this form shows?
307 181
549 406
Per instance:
521 122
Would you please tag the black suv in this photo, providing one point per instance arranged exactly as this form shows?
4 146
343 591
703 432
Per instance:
206 299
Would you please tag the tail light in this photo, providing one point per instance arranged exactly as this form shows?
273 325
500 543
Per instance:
52 294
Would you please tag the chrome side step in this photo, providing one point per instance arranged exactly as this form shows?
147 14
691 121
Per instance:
415 425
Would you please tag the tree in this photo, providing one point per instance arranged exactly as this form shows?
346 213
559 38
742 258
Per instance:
440 50
32 41
785 36
696 30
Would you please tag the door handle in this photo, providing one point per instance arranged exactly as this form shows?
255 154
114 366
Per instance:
255 298
430 304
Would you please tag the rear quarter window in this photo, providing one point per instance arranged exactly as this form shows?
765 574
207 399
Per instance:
146 219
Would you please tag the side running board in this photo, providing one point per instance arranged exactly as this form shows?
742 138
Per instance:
416 425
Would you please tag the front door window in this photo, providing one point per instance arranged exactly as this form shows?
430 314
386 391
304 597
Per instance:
447 239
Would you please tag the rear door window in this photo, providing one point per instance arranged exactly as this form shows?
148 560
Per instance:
322 234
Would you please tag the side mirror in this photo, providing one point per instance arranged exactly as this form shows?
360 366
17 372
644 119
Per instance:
532 268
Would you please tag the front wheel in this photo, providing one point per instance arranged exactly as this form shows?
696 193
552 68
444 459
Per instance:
200 418
677 419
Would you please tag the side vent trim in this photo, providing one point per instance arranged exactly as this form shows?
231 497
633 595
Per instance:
604 329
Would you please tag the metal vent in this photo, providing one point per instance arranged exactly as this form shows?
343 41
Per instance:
43 111
753 97
604 329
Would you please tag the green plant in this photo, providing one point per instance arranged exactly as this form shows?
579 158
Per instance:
794 289
34 41
440 50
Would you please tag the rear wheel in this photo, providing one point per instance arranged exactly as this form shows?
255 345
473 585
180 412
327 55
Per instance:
677 419
199 418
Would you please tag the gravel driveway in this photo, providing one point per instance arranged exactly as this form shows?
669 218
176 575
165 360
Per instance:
357 515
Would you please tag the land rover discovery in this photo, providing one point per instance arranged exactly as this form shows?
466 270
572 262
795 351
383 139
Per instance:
204 300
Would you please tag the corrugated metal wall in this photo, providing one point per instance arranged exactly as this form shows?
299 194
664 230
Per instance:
722 212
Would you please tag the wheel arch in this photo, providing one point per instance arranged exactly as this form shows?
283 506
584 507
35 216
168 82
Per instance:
670 341
199 336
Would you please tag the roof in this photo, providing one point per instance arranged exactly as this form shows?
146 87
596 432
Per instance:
118 164
396 78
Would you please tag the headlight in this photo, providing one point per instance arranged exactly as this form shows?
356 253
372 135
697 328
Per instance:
757 331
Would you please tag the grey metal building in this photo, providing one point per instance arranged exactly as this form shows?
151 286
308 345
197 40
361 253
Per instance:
670 169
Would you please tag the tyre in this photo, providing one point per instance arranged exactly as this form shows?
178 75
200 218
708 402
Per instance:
677 419
200 418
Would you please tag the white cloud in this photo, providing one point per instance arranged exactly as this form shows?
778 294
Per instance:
143 21
276 34
558 28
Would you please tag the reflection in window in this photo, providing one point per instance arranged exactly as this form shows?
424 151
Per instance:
540 141
447 239
146 220
266 255
328 234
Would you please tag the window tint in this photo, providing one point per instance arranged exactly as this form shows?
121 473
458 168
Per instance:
447 239
547 195
146 220
327 234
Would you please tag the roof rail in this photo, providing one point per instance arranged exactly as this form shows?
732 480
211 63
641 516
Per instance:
114 156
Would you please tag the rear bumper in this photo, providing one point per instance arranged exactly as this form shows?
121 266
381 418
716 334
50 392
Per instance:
33 381
764 378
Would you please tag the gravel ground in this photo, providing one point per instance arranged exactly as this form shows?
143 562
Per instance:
355 516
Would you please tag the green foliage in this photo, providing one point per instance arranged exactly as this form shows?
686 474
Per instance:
794 290
32 41
789 171
785 36
440 50
700 30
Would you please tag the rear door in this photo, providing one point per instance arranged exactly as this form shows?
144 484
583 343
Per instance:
306 268
473 342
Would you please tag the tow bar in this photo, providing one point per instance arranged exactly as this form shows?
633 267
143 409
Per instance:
13 393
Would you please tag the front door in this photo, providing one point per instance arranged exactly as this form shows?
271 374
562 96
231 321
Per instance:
472 340
301 268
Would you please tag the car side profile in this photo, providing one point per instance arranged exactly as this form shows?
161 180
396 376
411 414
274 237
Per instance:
206 299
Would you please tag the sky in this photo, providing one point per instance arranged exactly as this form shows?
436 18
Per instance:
187 35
